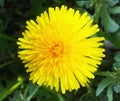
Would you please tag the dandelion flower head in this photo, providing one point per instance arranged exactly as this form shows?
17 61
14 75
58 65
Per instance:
58 50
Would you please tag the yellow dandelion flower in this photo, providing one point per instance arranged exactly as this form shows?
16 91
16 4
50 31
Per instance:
58 49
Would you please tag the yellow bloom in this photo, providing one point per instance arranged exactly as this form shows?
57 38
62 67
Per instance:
58 49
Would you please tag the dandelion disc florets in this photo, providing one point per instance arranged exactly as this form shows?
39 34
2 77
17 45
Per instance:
58 49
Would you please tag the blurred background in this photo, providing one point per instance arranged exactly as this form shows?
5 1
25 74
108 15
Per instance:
14 81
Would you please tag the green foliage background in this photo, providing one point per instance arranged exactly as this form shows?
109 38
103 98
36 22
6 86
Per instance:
14 83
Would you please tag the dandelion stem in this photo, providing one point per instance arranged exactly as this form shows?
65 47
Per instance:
8 91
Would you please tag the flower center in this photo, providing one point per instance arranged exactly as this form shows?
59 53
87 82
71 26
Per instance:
57 49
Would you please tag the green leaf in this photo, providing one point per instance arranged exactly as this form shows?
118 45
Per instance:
83 3
113 2
114 10
86 97
58 1
117 57
108 23
2 2
33 93
7 63
37 7
103 84
117 88
54 97
116 64
17 96
117 60
110 93
60 98
110 38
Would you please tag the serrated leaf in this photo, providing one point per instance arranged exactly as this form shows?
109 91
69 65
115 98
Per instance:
114 10
103 84
110 93
108 23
